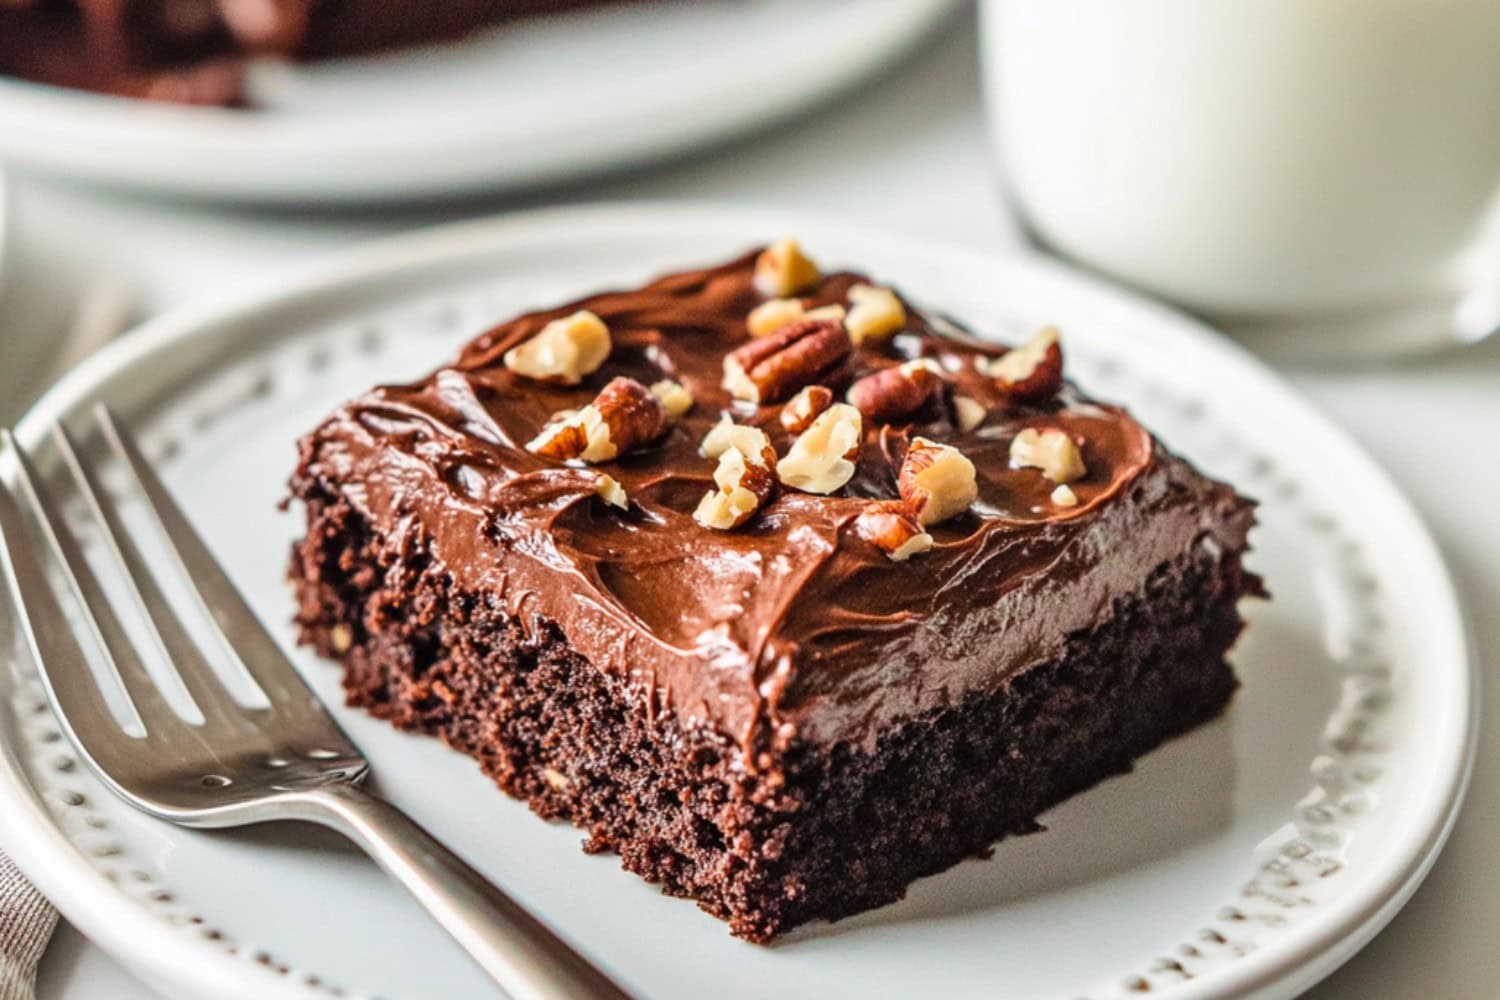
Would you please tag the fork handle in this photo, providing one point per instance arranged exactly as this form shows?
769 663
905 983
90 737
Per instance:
519 952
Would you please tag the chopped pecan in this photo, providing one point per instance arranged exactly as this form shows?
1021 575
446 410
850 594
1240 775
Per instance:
1050 450
894 529
611 492
896 392
1032 372
782 269
968 413
823 457
745 479
564 351
768 369
937 480
773 314
624 416
674 396
874 313
802 409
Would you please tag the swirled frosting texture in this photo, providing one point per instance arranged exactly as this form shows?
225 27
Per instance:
792 627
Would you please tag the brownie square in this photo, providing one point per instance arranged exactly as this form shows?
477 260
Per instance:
779 685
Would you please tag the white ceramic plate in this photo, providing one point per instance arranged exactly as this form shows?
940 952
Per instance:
542 99
1248 858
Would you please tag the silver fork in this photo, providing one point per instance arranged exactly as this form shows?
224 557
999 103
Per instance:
240 764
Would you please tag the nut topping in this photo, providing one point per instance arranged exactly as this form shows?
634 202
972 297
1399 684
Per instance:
674 396
744 477
727 434
1031 372
782 269
565 351
968 413
892 393
874 313
611 492
891 527
1050 450
768 369
772 315
822 458
937 481
800 411
1064 496
624 416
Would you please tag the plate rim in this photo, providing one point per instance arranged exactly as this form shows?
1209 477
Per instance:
1297 961
347 160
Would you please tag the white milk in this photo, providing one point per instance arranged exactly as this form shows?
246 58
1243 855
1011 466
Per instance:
1244 156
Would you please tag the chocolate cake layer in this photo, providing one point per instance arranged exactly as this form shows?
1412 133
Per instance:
832 832
779 720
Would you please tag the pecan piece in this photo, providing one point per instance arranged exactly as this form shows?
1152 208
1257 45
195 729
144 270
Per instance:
773 314
674 396
744 477
822 458
1050 450
608 489
1032 372
968 413
892 393
768 369
782 269
802 409
564 351
624 416
874 313
937 480
892 527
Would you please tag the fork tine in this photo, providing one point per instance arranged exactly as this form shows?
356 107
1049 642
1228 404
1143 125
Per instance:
66 677
103 624
219 709
243 634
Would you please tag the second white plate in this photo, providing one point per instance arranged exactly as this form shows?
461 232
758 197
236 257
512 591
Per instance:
541 99
1247 858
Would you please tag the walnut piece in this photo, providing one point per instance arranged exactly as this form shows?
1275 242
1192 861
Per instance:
768 369
823 457
896 392
565 351
874 313
624 416
611 492
892 527
937 481
782 269
1032 372
745 479
802 409
674 396
1050 450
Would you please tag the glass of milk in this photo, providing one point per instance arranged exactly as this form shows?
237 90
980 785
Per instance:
1314 175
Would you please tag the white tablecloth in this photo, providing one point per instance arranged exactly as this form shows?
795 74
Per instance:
907 153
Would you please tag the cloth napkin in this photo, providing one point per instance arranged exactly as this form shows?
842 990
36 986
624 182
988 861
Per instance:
26 922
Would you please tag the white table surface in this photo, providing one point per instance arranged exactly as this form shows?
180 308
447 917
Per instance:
907 153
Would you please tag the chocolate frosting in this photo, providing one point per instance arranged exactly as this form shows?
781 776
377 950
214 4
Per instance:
792 627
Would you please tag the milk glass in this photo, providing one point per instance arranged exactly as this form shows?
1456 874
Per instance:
1314 175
